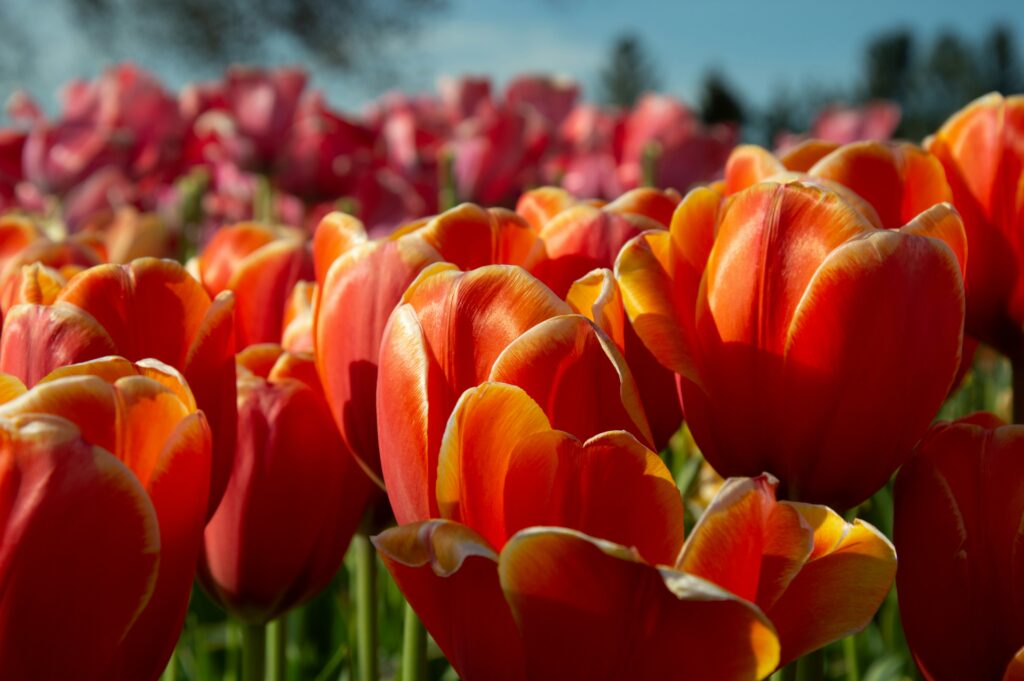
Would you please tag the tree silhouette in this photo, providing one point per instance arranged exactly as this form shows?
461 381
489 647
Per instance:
629 73
718 103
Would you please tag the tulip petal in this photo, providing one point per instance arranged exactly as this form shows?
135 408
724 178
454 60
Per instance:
228 247
566 364
802 157
899 180
297 325
746 543
38 338
500 456
591 609
449 575
653 203
69 512
854 397
538 206
582 238
178 484
840 587
749 164
469 237
336 234
262 283
358 295
210 371
150 307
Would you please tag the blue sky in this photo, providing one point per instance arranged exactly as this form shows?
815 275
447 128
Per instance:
759 46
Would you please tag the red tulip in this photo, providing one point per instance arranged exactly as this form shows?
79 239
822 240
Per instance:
579 236
771 307
980 149
160 312
360 282
80 554
146 417
959 508
295 496
455 330
261 265
513 589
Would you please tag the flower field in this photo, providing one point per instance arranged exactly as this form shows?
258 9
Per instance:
506 385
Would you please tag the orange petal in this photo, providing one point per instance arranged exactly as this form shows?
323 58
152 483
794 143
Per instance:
177 486
582 238
538 206
210 371
866 334
262 283
449 575
227 249
657 204
34 284
469 237
802 157
500 455
898 179
566 364
749 164
840 587
150 308
411 413
596 296
746 543
69 512
336 234
38 338
10 387
356 299
591 609
297 325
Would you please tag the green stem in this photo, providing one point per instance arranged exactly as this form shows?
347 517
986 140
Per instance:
1017 370
850 658
277 645
366 607
414 647
254 653
787 673
263 201
649 164
447 195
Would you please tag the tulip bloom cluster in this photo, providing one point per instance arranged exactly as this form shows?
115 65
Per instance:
507 378
123 140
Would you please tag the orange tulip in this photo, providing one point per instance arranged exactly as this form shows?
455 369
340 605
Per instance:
959 513
980 149
803 335
360 282
892 183
80 553
146 417
364 280
23 243
261 265
455 330
146 309
579 236
513 589
126 234
295 496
